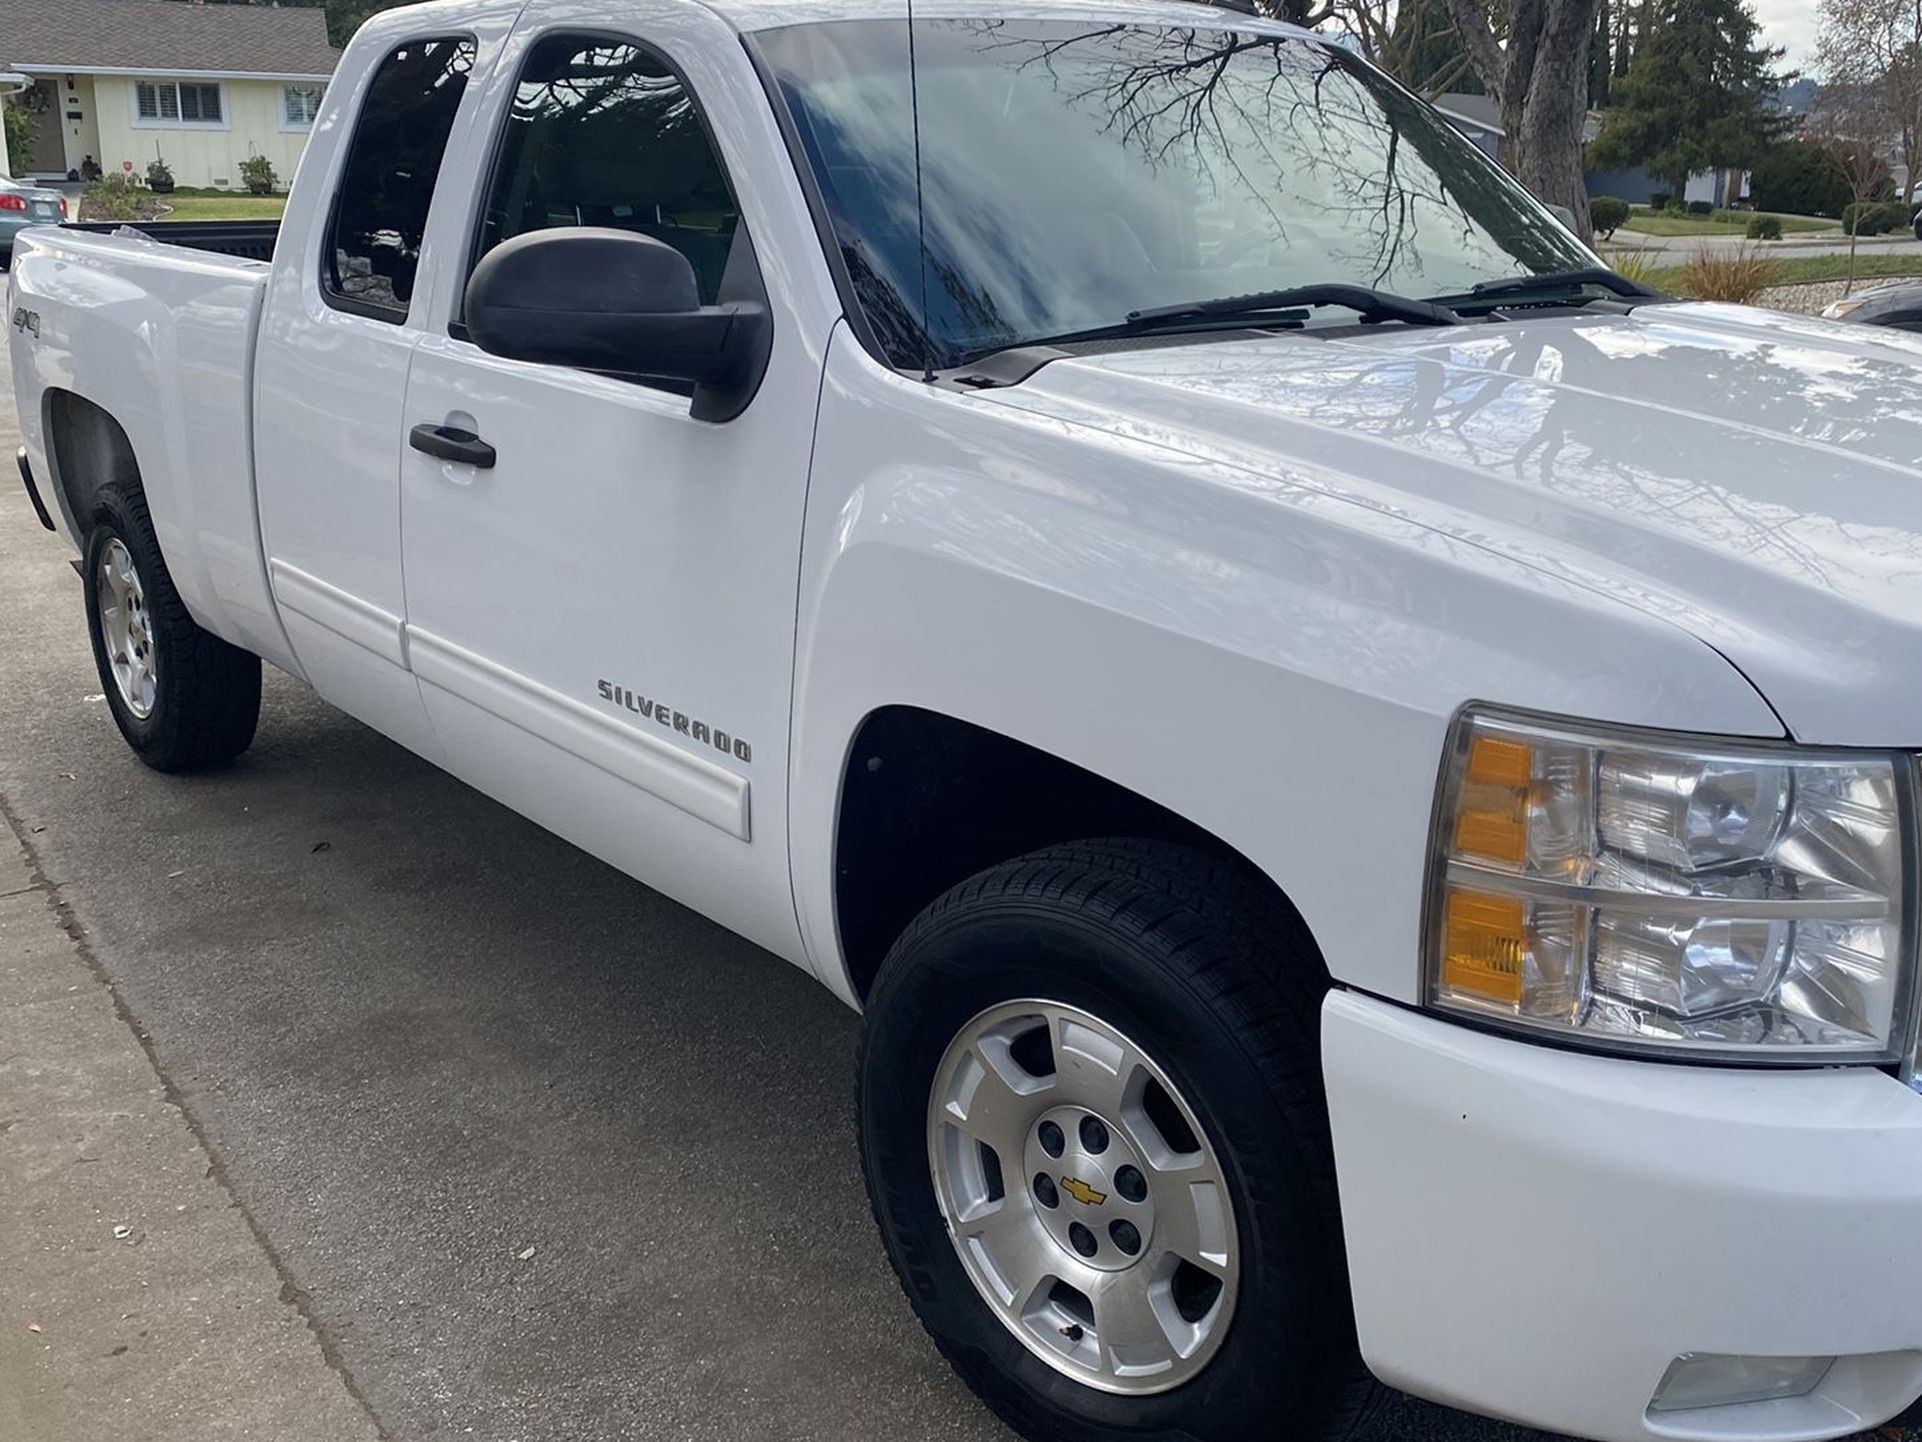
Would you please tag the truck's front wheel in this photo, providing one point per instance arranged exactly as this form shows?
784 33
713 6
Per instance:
1095 1139
183 698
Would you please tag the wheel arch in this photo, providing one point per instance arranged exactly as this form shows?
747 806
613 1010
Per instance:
928 800
88 450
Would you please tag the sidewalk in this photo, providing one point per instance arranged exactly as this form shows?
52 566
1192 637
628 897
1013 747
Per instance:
137 1303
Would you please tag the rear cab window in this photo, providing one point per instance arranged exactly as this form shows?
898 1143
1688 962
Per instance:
373 242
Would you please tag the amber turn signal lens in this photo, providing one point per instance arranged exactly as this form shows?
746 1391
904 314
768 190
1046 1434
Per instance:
1492 819
1484 940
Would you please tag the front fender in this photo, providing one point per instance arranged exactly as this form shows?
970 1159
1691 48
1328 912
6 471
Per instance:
1277 665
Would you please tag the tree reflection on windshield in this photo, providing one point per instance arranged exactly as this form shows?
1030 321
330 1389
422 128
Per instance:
1075 172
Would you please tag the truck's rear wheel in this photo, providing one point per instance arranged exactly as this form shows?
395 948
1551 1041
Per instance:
1097 1147
183 698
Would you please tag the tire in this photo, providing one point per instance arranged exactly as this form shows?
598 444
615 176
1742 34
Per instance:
1194 963
201 702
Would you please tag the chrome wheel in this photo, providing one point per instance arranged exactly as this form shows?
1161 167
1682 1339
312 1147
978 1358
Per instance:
1084 1199
125 630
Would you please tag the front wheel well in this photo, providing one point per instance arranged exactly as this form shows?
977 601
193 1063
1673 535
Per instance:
928 801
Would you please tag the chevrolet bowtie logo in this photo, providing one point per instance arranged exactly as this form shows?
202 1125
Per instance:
1082 1192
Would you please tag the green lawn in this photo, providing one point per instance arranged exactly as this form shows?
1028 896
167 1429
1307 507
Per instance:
225 207
1810 269
1723 222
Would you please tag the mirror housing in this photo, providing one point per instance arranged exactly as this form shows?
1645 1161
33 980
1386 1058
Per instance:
622 304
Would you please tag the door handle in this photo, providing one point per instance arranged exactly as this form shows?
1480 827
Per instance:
451 443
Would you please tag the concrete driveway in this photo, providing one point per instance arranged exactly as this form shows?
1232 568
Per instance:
525 1152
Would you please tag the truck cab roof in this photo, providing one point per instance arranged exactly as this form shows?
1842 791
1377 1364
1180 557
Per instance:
751 15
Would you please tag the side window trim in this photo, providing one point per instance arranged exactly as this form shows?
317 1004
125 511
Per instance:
497 144
397 315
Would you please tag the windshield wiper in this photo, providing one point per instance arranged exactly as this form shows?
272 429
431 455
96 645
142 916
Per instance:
1369 303
1561 285
1265 310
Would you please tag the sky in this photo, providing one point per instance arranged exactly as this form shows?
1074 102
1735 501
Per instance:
1790 23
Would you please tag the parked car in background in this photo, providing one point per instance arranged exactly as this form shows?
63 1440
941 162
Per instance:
1361 766
22 205
1897 305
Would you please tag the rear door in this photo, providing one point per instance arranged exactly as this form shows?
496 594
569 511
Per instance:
602 620
342 319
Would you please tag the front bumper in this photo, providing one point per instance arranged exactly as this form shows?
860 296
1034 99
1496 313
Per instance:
1537 1234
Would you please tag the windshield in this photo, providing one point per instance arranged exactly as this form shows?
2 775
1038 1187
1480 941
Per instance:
1076 171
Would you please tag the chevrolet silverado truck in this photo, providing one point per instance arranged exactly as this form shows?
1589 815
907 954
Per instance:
1361 768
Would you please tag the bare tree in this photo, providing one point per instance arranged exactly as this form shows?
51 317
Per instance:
1877 44
1533 55
1850 125
1398 36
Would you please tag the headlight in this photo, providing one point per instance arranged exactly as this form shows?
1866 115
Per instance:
1627 889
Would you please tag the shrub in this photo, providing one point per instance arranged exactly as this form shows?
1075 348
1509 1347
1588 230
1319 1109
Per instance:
22 127
1875 217
1796 178
160 176
1675 210
113 197
1640 266
258 172
1765 227
1735 275
1658 200
1701 207
1607 214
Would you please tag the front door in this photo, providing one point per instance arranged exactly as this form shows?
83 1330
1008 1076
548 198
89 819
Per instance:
602 620
49 155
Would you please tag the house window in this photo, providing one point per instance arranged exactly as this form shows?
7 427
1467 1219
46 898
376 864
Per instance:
299 106
177 102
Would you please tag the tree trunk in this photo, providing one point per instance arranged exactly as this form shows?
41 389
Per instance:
1540 76
1548 158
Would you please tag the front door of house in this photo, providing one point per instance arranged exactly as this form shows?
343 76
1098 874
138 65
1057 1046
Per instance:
49 133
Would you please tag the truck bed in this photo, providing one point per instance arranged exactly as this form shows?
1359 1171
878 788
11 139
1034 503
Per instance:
243 239
156 329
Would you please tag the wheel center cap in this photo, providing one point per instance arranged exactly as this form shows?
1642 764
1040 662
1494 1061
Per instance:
1088 1188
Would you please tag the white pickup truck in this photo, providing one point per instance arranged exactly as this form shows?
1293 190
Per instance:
1362 768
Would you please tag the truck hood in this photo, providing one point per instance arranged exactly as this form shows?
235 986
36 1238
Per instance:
1752 477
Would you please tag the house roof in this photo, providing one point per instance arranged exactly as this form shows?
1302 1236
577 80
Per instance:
164 37
1479 111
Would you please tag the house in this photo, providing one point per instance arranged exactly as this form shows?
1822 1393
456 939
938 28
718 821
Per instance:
1724 188
1476 116
202 87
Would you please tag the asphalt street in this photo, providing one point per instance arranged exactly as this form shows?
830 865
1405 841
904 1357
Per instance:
1795 248
540 1155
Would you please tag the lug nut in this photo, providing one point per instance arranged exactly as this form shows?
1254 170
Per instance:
1132 1186
1045 1192
1082 1240
1052 1142
1125 1236
1094 1136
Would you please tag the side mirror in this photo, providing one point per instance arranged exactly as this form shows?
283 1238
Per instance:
1566 217
622 304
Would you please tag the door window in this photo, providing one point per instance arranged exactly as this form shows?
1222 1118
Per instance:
387 184
604 133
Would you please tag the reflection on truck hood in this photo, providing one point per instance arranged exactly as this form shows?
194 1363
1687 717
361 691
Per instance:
1756 479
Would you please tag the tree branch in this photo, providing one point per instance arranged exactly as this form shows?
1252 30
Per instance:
1484 50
